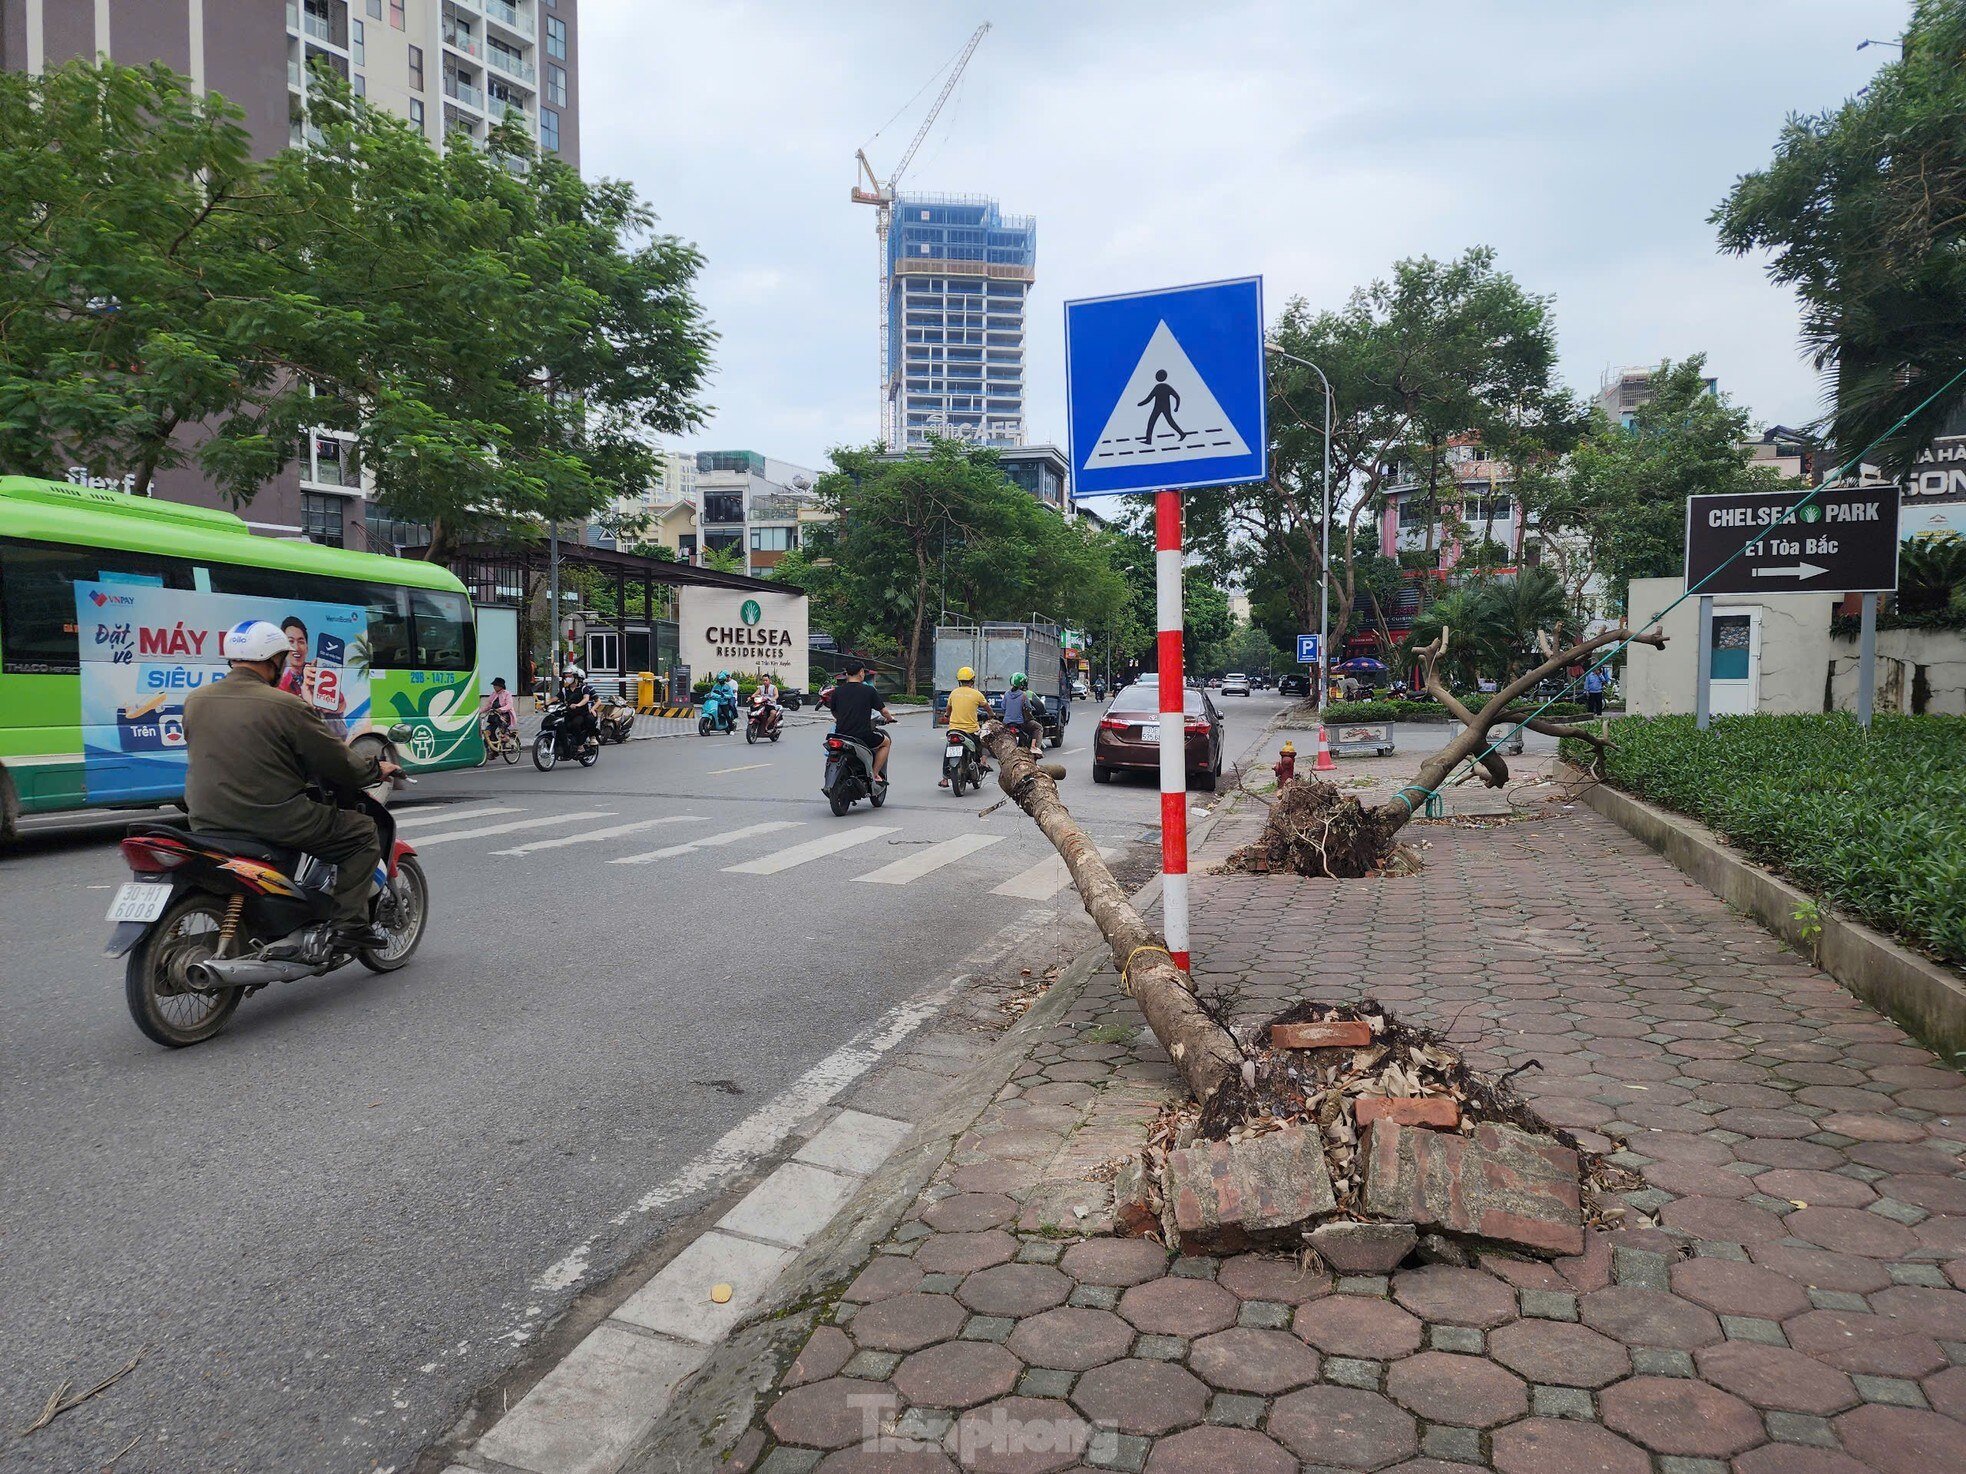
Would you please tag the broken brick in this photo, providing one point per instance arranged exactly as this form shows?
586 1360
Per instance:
1338 1034
1136 1201
1501 1185
1437 1111
1219 1192
1363 1248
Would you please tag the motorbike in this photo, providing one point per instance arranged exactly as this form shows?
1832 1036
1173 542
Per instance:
962 763
211 918
850 774
761 723
717 714
556 741
616 719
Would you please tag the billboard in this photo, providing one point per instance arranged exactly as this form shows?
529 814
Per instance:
744 631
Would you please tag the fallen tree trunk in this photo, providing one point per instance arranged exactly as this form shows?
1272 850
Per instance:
1203 1051
1316 829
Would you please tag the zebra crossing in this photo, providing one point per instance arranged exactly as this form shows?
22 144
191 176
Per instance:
766 849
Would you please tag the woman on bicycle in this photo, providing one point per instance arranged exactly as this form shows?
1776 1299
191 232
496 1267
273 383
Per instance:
499 713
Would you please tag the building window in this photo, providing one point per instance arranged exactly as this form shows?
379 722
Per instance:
723 506
396 16
375 9
549 129
556 38
1414 512
771 539
355 44
416 67
556 86
361 85
320 518
416 114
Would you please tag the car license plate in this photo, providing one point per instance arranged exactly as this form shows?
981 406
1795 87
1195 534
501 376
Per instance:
139 900
1150 731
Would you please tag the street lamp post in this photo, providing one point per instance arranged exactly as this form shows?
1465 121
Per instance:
1324 526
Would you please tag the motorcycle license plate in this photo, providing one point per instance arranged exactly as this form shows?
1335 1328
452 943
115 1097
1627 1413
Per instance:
1150 731
139 900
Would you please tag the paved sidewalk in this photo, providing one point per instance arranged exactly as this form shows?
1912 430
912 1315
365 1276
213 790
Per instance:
1796 1310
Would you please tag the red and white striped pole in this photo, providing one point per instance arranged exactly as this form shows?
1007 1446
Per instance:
1173 727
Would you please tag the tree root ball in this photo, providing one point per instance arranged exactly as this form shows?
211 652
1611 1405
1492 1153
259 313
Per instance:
1314 829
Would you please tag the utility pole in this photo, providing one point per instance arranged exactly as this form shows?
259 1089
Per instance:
1324 527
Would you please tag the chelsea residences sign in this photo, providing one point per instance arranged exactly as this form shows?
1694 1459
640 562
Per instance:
744 632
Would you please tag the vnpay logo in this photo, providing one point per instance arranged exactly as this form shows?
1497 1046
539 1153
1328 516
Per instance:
99 598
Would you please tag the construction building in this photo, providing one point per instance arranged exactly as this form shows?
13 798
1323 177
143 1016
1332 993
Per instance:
448 66
959 273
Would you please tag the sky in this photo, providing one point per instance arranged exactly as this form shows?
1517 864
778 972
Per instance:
1158 143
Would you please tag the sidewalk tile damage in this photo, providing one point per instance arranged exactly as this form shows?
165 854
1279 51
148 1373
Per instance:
1786 1295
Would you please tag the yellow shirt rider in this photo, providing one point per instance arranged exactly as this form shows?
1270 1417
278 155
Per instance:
966 706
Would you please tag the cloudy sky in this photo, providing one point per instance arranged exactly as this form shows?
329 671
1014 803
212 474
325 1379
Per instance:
1314 142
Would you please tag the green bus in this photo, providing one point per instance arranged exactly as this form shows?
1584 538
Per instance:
111 608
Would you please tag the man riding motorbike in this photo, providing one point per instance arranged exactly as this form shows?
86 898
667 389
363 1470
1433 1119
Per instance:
765 698
966 704
254 751
580 700
854 703
1020 710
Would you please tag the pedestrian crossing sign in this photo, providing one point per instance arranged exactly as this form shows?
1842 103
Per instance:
1166 389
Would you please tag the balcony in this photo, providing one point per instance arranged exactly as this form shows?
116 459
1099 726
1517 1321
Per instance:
511 65
464 92
295 73
464 41
318 27
509 16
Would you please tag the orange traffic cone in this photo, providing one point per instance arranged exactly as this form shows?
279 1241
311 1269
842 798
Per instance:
1324 763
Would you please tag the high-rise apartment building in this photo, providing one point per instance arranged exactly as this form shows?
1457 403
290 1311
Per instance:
959 273
446 65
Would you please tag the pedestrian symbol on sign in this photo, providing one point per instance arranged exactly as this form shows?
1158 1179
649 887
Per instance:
1163 383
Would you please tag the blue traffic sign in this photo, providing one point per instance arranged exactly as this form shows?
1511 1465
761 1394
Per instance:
1166 389
1307 650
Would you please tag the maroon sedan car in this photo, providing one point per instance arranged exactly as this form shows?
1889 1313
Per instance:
1128 736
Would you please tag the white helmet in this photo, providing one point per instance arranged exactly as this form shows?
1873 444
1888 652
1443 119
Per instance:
575 672
254 639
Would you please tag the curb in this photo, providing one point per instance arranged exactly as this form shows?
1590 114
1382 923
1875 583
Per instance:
1927 999
714 1407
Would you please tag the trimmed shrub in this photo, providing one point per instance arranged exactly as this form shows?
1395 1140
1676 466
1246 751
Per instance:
1389 710
1875 824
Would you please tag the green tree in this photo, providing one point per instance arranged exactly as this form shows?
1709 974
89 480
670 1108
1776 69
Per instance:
1524 607
1864 208
1479 638
725 560
1623 492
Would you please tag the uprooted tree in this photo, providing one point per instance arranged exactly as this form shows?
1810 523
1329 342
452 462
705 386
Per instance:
1316 829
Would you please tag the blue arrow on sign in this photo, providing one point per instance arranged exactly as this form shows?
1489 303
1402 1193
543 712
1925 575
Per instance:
1167 389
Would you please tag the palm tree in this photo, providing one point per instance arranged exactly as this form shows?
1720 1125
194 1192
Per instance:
1478 638
1523 607
1930 571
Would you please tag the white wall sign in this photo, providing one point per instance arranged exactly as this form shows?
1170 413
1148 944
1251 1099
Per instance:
746 632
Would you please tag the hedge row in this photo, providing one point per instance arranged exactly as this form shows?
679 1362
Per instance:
1875 824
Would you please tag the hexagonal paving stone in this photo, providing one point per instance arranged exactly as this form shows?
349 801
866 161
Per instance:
990 1177
1728 1287
1722 1219
957 1374
1353 1325
1559 1446
1815 1189
1929 1191
1467 1391
887 1460
1455 1297
1677 1415
1560 1353
965 1253
1820 1269
1792 1458
1871 1127
1776 1378
1019 1435
969 1212
1180 1307
1904 1440
908 1322
1214 1450
889 1274
1114 1262
1649 1318
1343 1426
1248 1360
1947 1392
1873 1344
1852 1231
825 1353
1138 1396
833 1413
1071 1338
1014 1289
1924 1308
1272 1277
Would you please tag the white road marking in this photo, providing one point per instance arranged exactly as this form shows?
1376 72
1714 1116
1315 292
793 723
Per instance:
812 849
1044 879
710 841
591 835
742 768
444 815
578 816
915 866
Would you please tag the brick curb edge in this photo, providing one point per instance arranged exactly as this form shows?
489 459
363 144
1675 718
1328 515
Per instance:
1924 997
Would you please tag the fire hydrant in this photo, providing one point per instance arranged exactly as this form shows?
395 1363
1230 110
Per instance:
1285 766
